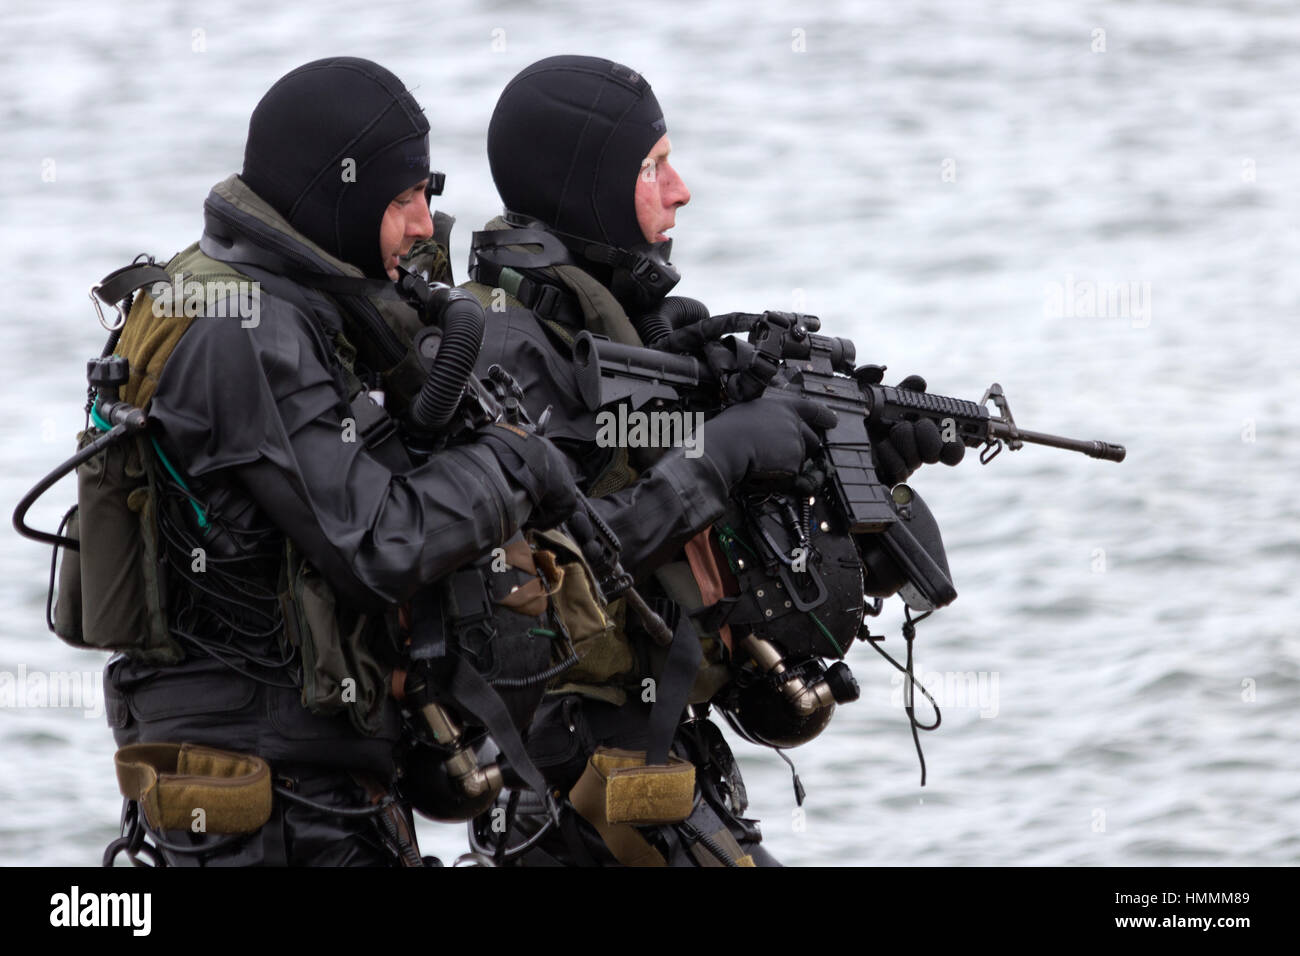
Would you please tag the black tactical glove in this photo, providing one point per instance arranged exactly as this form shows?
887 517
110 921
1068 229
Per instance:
766 440
536 466
742 370
901 450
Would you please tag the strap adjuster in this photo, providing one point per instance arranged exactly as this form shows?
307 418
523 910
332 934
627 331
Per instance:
547 300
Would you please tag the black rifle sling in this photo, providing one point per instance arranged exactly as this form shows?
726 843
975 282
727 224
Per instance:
672 690
477 696
466 685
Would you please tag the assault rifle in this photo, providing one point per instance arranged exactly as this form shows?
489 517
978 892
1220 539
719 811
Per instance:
798 363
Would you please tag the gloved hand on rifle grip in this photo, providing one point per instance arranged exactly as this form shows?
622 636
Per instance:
899 451
537 467
767 439
743 373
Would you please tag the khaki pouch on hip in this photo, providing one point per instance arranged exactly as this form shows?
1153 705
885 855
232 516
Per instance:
188 787
618 792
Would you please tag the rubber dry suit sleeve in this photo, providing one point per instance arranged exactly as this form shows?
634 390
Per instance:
654 516
664 508
262 405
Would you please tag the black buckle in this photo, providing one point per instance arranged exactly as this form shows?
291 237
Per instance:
374 425
547 301
470 603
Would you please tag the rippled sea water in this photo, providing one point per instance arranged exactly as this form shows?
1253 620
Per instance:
943 182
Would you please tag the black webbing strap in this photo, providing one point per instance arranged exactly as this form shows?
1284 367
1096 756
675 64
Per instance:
673 687
117 290
428 637
495 245
547 301
120 283
378 432
477 696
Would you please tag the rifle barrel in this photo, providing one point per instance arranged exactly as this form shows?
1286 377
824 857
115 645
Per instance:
1093 449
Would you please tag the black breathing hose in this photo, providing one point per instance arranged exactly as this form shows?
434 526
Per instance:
672 313
460 317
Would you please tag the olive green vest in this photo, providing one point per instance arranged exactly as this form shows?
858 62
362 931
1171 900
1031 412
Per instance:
340 670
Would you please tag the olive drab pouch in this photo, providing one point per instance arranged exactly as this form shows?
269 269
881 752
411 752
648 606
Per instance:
112 591
599 640
117 582
341 670
63 604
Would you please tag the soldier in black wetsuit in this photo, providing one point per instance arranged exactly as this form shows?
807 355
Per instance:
281 467
579 152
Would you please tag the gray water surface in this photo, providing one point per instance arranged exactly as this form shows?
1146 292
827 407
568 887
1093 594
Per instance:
1122 668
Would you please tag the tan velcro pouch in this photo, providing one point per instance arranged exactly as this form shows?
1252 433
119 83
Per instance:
641 795
618 792
171 781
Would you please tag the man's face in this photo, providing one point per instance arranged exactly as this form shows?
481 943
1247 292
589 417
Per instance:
659 191
405 220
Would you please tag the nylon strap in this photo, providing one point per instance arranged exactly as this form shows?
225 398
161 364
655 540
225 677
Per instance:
547 301
120 283
476 695
672 691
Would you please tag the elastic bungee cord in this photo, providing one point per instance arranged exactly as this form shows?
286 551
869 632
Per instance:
909 635
225 611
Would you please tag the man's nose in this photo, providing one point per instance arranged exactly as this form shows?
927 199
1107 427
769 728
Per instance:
419 225
676 192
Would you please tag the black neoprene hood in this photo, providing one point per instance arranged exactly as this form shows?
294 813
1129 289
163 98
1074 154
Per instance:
303 134
566 142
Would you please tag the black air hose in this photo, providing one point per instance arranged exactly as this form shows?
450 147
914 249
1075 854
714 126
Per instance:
461 319
672 313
